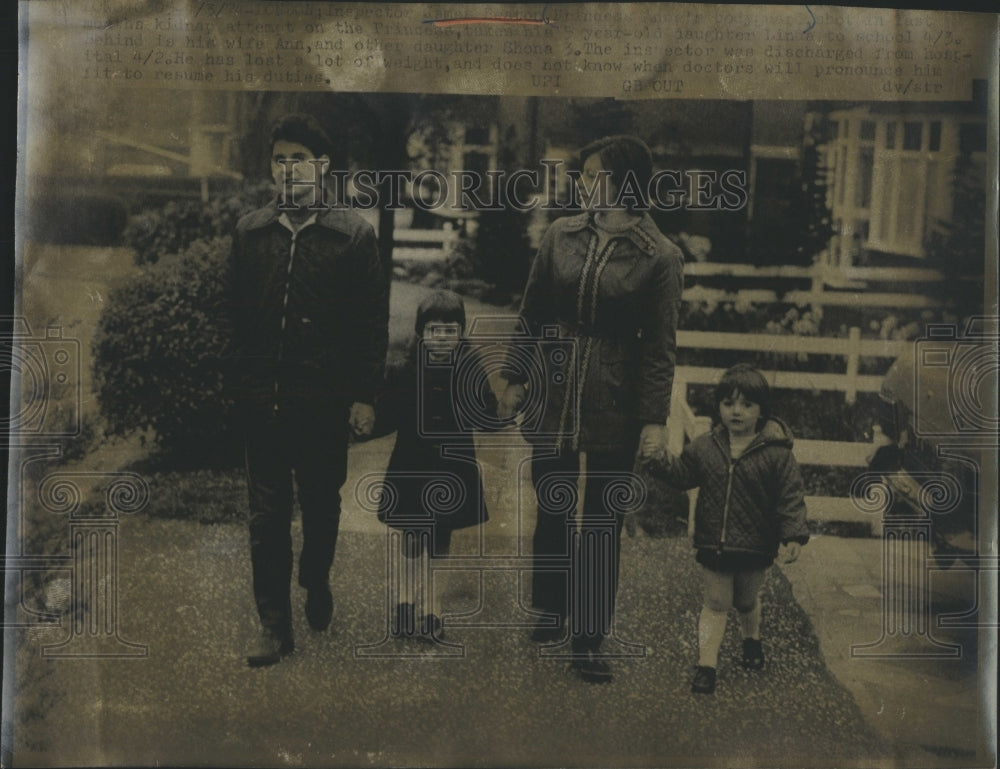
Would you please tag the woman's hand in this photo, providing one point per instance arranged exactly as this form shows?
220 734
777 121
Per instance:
652 441
789 552
361 419
511 401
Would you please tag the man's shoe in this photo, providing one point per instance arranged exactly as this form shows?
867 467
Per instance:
270 648
319 607
402 624
753 654
704 680
592 666
545 633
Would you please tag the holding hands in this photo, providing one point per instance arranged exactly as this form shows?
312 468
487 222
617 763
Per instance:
789 552
361 419
653 442
511 401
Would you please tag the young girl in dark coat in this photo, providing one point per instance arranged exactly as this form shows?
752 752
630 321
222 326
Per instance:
433 485
750 501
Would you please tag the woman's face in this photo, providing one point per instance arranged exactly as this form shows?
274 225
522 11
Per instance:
596 188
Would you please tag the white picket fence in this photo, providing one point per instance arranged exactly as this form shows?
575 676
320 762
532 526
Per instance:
434 245
422 245
854 279
852 348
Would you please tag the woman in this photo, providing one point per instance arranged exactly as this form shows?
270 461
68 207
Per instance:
611 283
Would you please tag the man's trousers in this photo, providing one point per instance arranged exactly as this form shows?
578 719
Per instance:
309 444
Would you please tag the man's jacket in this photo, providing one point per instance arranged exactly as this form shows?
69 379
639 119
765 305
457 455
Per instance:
308 311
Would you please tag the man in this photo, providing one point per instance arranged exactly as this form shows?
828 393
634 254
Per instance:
309 319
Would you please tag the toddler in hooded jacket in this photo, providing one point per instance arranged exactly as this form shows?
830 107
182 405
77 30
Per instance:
750 506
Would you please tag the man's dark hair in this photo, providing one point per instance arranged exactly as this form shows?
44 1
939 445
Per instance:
440 307
624 155
302 129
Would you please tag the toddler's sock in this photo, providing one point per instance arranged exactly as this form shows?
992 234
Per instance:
750 622
711 629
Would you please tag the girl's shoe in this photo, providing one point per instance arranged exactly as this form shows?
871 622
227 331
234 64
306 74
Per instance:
592 666
431 628
704 680
753 654
403 623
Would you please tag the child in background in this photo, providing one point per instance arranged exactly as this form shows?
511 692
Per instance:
750 501
433 481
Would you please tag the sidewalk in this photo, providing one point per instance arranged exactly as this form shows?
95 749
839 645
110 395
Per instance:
489 697
931 707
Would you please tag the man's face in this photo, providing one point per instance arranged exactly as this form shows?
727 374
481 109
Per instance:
297 173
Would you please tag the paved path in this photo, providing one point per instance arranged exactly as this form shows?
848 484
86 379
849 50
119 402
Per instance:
498 701
936 705
352 697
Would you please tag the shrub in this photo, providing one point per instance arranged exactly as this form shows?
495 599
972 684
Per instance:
173 227
156 354
956 246
70 218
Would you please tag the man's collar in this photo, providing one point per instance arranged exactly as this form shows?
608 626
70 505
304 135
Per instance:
331 218
294 227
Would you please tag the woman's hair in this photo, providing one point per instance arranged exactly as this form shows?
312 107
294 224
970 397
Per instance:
748 382
624 155
440 307
302 129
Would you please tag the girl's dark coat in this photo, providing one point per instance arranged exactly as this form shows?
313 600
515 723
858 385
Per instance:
432 476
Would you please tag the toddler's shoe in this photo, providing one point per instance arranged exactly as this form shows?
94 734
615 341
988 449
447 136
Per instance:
753 654
704 680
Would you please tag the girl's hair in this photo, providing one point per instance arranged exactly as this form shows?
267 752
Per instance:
442 307
623 155
748 382
302 129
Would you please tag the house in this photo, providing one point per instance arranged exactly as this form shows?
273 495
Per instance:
891 174
887 167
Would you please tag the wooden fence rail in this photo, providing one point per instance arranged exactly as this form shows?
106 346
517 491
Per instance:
434 245
852 348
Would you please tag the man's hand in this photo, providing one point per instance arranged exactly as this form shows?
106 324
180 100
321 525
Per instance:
652 441
362 419
511 401
790 552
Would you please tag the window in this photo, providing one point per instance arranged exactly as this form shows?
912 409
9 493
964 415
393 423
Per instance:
890 178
